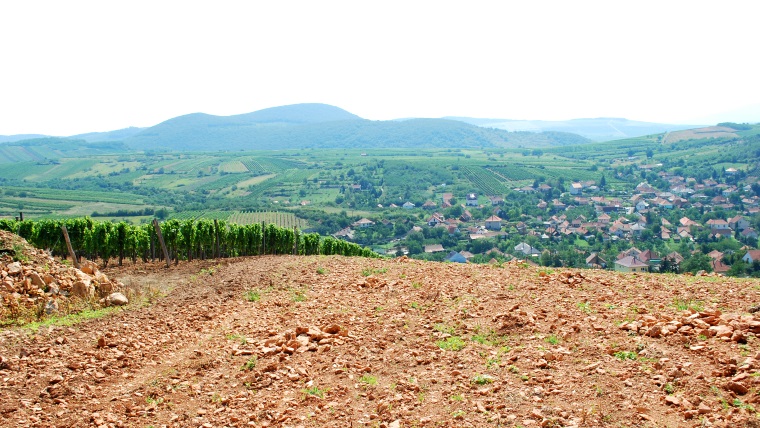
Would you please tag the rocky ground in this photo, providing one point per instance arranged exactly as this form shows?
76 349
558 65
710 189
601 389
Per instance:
334 341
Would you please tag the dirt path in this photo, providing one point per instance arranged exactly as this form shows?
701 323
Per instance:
333 341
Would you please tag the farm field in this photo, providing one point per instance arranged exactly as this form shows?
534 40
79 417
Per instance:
336 341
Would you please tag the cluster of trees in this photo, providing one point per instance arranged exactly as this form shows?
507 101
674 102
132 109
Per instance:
185 240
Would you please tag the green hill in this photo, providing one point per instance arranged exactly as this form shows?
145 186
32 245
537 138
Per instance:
323 126
597 129
52 148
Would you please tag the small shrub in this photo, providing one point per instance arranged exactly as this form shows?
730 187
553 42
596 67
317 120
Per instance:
626 355
315 391
321 271
250 364
252 295
482 380
368 379
453 343
552 339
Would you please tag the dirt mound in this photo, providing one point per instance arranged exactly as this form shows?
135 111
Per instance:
333 341
30 279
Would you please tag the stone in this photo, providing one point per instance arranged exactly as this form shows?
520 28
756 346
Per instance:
737 387
51 307
722 330
89 267
36 280
116 299
56 379
14 268
655 331
672 401
83 289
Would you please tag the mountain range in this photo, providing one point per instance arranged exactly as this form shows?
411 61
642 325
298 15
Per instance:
315 125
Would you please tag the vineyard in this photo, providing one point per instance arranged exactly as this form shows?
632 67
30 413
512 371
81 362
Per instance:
185 239
484 180
279 218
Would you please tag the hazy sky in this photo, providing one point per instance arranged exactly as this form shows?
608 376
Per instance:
77 66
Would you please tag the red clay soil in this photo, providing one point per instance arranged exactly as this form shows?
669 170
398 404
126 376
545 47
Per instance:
337 342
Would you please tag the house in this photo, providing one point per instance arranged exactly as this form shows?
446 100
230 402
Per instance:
749 233
365 222
471 200
631 264
455 257
493 223
751 256
738 223
576 189
466 216
435 248
467 255
408 205
595 262
641 205
429 205
604 218
717 223
346 233
526 249
496 200
435 220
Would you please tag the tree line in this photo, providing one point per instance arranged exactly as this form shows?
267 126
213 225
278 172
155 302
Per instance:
185 239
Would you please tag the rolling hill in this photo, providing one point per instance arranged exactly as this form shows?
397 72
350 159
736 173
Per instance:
598 129
323 126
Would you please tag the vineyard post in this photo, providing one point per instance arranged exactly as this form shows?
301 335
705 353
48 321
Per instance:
152 248
68 245
21 216
216 237
161 240
263 238
295 240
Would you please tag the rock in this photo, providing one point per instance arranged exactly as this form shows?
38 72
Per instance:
722 330
737 387
101 342
56 379
36 280
51 307
4 365
704 409
116 299
672 401
395 424
655 331
14 268
83 290
89 267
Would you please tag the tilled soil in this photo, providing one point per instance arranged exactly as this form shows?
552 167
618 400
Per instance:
334 341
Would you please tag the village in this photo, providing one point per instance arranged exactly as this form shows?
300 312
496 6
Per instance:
711 223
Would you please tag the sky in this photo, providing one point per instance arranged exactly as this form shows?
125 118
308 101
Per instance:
82 66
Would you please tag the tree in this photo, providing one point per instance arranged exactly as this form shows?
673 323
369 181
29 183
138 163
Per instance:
696 263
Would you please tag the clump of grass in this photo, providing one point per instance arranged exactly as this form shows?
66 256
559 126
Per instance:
315 391
298 296
250 364
584 307
626 355
452 343
321 270
482 379
368 379
552 339
253 295
19 253
686 304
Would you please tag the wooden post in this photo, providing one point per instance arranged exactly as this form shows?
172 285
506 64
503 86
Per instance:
21 216
295 240
263 239
216 233
161 241
152 248
68 245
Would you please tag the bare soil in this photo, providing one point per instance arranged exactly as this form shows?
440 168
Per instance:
335 342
